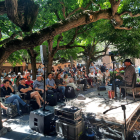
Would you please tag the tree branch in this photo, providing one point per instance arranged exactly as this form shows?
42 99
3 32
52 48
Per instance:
70 47
114 6
63 9
56 13
95 58
130 13
32 52
37 38
106 48
0 34
10 38
80 8
96 5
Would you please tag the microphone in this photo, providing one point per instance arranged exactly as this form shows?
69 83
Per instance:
106 111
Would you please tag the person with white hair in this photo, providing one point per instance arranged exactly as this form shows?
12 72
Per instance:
100 76
71 84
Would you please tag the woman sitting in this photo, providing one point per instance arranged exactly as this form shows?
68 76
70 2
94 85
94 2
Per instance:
66 79
60 84
99 76
90 79
17 83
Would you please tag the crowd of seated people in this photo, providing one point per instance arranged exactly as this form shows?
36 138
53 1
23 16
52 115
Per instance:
56 82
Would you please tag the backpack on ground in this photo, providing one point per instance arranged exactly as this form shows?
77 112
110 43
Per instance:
70 92
52 99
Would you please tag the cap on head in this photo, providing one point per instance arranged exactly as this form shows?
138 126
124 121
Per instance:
38 76
22 79
9 76
127 60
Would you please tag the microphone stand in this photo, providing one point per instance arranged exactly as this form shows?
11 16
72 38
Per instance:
123 108
114 79
44 95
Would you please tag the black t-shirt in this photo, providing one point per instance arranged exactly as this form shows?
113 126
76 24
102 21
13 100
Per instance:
24 87
103 68
5 92
59 81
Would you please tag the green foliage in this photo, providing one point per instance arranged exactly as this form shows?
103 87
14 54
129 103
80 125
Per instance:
50 12
17 57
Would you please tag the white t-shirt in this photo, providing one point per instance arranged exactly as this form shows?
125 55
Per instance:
99 76
107 74
91 75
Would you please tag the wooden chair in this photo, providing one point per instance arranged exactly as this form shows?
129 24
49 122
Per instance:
133 86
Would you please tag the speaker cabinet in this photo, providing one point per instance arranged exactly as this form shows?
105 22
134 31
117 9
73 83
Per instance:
40 121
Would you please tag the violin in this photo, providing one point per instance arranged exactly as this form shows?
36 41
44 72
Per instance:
122 68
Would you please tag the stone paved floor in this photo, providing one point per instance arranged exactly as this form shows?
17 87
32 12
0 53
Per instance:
21 130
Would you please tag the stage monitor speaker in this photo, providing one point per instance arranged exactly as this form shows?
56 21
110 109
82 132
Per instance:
41 121
43 54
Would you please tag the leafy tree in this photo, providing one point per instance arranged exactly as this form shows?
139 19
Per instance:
57 20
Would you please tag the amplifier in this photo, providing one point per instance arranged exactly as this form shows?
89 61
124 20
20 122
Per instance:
68 131
69 112
70 121
41 121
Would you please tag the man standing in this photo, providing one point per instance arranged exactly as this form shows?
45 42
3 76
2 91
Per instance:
127 77
103 68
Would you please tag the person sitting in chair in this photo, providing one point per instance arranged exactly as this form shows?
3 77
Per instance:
50 83
81 80
60 84
7 92
91 76
23 88
127 77
38 85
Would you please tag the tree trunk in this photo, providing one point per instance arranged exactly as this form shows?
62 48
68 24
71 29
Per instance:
0 96
88 64
33 56
49 65
33 64
50 56
71 61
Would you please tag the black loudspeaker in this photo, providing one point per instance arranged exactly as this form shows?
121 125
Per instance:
101 88
34 104
41 121
52 99
43 54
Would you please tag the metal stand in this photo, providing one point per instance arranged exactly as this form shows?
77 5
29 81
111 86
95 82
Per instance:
124 108
114 80
44 95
